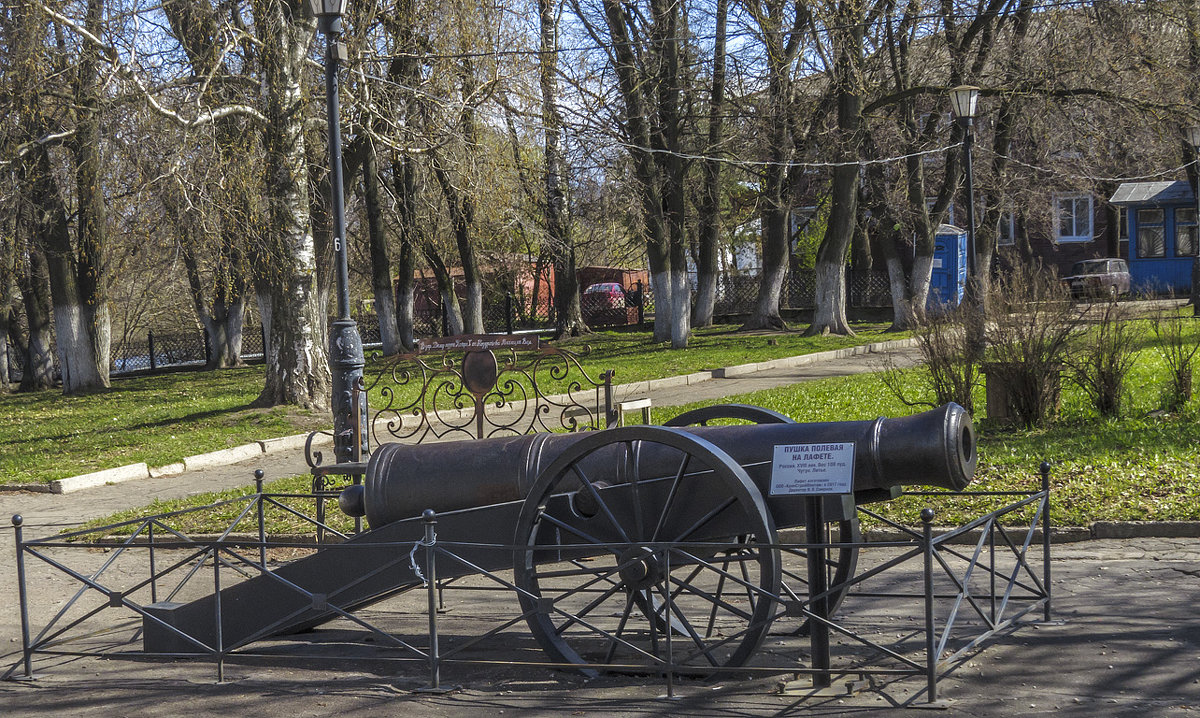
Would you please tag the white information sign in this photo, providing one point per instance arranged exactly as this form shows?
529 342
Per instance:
806 469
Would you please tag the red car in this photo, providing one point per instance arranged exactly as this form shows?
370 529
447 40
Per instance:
599 302
605 295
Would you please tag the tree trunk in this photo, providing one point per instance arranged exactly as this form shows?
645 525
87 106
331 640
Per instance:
404 180
707 270
76 355
381 263
646 171
38 372
830 299
297 365
568 311
451 312
5 322
829 315
461 217
902 311
92 212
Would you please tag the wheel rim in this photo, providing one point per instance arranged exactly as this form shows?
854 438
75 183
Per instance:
841 562
669 567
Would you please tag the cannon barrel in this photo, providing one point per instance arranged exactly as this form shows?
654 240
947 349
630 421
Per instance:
935 448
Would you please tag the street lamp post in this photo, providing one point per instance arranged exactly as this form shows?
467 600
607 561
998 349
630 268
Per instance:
964 99
345 345
1193 134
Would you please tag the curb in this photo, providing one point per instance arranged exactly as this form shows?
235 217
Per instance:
804 359
100 478
223 457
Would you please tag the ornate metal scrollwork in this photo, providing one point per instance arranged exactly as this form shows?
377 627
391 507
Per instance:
414 398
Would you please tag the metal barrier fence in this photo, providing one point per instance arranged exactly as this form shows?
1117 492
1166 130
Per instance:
957 590
736 294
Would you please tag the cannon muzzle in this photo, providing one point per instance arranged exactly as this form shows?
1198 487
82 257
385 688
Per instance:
936 448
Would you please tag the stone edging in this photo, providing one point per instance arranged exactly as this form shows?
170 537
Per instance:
222 457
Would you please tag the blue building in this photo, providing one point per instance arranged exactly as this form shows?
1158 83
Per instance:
1160 218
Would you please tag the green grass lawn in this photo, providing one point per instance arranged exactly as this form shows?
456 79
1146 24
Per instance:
160 419
1142 466
155 419
1139 468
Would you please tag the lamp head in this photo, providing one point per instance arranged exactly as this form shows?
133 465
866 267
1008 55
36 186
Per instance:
1193 135
328 8
963 100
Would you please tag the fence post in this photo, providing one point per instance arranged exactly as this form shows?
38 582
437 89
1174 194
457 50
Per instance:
26 651
931 658
262 527
611 417
508 312
641 305
429 519
150 341
1045 469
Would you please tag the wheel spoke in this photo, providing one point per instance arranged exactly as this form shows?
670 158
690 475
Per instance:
581 534
595 494
577 616
690 631
612 642
631 466
667 505
704 520
681 588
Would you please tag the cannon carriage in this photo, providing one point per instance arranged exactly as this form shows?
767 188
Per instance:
628 546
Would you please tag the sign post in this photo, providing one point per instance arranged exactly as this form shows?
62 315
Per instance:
814 471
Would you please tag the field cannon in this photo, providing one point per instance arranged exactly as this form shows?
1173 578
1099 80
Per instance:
690 511
626 544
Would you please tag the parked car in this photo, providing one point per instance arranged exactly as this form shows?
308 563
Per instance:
1098 278
605 295
605 303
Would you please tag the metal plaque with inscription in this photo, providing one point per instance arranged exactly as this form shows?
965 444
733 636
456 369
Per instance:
810 469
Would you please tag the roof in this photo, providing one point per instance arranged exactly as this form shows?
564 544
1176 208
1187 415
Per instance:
1153 192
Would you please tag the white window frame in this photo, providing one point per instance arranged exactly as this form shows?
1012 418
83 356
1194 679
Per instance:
1078 236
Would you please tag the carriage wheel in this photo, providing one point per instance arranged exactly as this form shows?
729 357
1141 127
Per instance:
644 545
841 562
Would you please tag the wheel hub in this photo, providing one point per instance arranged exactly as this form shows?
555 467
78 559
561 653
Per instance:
640 568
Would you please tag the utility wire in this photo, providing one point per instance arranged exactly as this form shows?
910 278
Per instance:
739 34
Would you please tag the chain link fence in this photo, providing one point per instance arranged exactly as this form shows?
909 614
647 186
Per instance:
622 306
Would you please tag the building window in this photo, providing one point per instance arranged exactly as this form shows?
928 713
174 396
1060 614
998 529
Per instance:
1185 232
1122 224
1074 212
1151 234
1006 230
